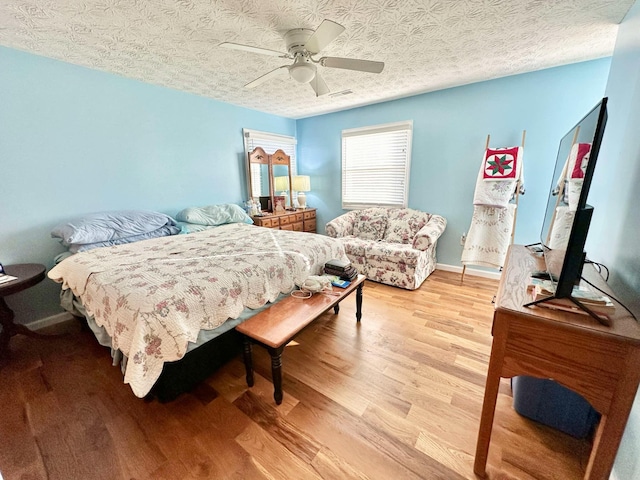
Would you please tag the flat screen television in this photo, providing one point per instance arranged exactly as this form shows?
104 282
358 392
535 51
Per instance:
567 217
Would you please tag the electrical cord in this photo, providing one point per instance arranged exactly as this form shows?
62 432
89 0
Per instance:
599 267
611 297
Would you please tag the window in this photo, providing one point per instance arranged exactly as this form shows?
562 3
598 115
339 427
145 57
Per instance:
375 165
270 142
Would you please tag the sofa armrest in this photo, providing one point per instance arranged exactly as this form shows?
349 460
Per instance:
429 234
341 226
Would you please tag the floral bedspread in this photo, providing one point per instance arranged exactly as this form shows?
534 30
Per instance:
154 296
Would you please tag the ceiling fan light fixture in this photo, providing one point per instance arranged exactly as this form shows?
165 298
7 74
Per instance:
302 44
302 72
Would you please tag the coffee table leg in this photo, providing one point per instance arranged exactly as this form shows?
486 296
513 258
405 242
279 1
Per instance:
276 373
336 308
359 302
248 361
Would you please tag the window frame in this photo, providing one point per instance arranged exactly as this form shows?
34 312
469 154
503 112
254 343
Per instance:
404 126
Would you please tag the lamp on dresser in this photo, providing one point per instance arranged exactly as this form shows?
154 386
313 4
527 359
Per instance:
281 184
301 184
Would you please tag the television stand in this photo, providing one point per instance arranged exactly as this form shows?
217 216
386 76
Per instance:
603 320
600 363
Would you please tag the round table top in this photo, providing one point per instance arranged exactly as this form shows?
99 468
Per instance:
29 274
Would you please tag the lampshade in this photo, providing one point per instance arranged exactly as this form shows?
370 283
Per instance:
281 184
301 183
302 71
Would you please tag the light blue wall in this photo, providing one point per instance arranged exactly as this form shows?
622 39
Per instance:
615 194
450 128
75 140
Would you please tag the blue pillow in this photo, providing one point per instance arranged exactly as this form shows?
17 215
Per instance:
214 215
160 232
107 226
186 227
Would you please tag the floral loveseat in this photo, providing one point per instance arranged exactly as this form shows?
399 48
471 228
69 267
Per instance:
396 246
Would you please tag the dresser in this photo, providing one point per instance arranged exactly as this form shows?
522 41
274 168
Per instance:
598 362
297 220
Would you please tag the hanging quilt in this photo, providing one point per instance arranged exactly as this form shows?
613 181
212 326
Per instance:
500 163
498 175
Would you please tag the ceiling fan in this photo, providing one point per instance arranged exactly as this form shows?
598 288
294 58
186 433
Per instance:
302 45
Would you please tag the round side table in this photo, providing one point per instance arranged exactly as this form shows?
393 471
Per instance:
28 275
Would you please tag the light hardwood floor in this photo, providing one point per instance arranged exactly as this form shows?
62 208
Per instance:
396 397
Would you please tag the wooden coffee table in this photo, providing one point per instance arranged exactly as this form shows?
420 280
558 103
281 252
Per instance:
276 326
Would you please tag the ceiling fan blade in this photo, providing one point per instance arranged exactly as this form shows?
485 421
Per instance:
249 48
266 76
323 36
319 86
352 64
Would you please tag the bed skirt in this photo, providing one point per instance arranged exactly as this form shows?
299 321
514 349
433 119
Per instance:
197 365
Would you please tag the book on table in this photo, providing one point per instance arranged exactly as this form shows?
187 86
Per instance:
337 265
340 268
4 278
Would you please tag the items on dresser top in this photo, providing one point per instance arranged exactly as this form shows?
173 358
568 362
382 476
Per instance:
297 220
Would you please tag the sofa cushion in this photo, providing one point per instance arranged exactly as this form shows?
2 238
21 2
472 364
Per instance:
403 224
354 246
385 253
370 227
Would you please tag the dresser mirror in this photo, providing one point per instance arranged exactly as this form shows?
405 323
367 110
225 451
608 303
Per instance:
281 173
269 176
259 174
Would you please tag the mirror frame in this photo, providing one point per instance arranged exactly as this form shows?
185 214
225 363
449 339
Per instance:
258 156
280 158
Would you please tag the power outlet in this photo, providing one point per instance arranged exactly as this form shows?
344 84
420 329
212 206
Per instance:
463 238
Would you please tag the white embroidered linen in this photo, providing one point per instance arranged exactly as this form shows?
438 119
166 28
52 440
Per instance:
489 236
561 228
154 296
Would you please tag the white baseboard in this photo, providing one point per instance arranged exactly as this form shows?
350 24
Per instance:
49 321
468 271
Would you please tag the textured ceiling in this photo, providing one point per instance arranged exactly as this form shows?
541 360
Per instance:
426 44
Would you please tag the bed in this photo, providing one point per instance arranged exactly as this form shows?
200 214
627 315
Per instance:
168 305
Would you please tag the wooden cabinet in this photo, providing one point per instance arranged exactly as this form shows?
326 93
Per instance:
598 362
297 220
309 220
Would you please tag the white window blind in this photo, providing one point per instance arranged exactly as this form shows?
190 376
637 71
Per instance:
270 142
375 165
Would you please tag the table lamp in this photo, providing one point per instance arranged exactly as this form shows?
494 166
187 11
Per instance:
301 184
281 184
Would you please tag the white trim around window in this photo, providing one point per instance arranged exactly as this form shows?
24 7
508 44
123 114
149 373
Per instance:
270 142
376 163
